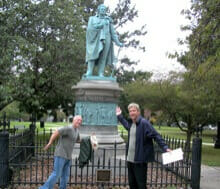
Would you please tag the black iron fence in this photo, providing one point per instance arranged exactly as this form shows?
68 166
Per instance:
24 163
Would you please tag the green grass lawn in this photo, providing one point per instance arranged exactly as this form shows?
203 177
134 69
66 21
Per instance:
48 125
210 155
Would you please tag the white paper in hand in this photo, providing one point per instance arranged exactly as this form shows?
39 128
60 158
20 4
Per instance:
174 155
94 142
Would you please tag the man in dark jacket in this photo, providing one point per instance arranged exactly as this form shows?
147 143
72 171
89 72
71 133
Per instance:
140 145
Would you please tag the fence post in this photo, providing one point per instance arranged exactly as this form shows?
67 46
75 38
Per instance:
32 130
4 159
217 142
5 122
196 162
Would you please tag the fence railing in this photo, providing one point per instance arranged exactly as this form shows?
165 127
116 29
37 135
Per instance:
31 165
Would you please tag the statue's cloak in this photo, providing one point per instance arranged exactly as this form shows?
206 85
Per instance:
96 39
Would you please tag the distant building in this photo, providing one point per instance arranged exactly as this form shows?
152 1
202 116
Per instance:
147 114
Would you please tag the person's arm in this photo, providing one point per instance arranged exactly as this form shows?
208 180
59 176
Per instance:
123 121
115 36
52 138
152 133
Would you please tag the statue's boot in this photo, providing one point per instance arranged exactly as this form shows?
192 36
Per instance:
101 70
90 68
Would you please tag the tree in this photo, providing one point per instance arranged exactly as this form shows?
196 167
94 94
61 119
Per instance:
12 112
126 79
43 50
7 49
203 57
202 79
46 58
178 99
192 97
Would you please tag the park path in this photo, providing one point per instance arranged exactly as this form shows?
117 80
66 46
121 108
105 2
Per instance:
210 177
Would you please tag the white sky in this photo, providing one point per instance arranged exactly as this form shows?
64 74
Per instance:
163 21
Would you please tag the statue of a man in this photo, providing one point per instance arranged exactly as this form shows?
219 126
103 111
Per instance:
100 36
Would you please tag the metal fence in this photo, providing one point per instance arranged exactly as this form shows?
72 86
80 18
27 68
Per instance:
26 164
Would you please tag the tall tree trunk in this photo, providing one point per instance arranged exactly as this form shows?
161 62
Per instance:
187 145
188 140
54 113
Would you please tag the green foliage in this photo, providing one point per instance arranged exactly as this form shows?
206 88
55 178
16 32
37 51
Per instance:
46 58
124 77
126 80
203 57
197 97
204 39
178 99
12 112
5 94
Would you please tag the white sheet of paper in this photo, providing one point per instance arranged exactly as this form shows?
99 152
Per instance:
174 155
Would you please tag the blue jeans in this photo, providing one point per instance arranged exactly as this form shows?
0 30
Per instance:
61 170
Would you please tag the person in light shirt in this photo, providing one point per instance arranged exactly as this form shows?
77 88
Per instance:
68 136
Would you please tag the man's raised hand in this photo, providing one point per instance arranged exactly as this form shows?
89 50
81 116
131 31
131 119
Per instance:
118 111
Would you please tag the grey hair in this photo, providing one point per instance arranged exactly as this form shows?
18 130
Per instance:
77 117
134 105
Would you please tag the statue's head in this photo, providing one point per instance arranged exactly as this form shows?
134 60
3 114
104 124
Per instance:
102 9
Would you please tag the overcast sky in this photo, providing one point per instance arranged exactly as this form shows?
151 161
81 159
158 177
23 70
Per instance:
163 21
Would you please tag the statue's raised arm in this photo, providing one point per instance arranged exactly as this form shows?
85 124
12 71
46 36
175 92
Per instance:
100 36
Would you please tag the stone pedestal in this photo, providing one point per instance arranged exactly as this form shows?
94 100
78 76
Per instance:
96 101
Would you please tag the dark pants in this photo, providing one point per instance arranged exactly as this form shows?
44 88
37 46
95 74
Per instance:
137 175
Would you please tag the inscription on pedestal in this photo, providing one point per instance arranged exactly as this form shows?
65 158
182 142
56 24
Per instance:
96 113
